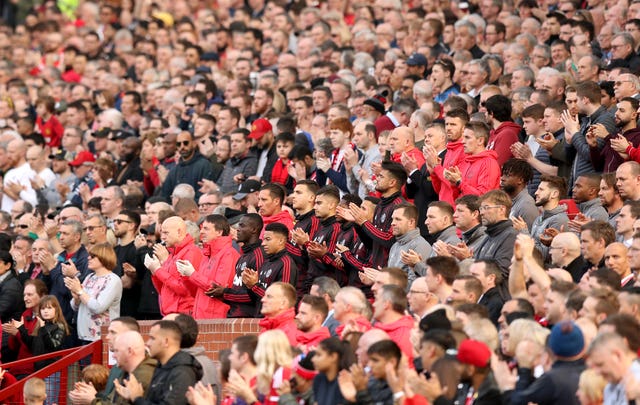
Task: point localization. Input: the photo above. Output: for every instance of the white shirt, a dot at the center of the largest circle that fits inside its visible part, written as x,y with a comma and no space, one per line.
21,175
47,175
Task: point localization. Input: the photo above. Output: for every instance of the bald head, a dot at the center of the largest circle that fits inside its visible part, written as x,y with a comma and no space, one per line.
404,139
565,247
174,230
366,340
129,350
568,240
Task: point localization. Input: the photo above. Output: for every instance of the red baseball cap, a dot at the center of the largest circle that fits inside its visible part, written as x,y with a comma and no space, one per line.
82,158
260,127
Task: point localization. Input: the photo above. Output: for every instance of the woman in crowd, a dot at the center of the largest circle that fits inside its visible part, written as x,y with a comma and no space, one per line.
34,290
332,356
97,299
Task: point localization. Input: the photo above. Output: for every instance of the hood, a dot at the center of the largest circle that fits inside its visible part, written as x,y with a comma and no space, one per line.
195,351
508,126
185,359
405,322
279,217
485,154
216,245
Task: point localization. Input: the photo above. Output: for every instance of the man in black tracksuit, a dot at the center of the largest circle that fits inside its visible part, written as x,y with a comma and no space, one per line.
377,235
278,266
237,297
306,226
323,244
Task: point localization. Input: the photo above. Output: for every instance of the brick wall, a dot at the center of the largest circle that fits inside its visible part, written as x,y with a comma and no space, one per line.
215,334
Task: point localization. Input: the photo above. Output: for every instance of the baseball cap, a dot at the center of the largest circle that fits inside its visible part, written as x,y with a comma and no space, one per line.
82,158
62,155
102,133
474,352
417,59
260,127
249,186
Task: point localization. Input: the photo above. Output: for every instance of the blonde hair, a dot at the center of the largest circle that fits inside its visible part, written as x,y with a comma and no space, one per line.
592,385
522,329
484,331
272,352
34,391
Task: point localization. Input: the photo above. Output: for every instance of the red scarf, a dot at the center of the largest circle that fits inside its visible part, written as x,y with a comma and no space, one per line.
279,174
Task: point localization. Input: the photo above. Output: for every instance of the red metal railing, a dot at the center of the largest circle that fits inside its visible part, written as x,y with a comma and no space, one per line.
67,365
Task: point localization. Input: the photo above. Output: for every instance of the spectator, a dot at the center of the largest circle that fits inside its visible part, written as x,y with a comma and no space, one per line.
177,369
97,298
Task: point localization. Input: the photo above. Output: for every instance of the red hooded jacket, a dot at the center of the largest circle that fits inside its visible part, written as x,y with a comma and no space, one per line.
175,294
284,321
454,157
219,268
502,138
400,332
480,173
311,339
361,323
284,217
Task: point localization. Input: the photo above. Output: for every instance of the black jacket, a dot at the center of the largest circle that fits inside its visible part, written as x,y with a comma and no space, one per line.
49,338
237,296
11,301
488,394
492,299
171,381
576,268
557,386
189,172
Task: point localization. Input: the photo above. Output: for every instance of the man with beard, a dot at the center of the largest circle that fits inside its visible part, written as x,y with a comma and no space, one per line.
478,386
130,169
550,191
454,123
609,157
353,254
252,257
311,314
125,228
498,245
191,169
377,234
609,197
516,174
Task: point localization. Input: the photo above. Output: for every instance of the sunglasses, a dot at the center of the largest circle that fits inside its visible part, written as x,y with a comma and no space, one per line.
120,221
91,228
183,143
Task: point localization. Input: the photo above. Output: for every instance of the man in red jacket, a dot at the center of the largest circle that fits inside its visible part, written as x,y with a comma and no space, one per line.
401,141
479,172
389,312
278,309
270,200
504,131
176,295
311,314
454,123
218,268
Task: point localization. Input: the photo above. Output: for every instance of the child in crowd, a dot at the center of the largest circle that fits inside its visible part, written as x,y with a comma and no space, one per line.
47,337
284,146
97,375
34,391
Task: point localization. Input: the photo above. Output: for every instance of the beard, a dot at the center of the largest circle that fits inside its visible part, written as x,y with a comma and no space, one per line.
509,188
621,123
542,201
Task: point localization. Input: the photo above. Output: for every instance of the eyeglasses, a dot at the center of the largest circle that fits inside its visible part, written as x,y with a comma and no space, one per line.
91,228
22,226
207,204
183,143
120,221
486,207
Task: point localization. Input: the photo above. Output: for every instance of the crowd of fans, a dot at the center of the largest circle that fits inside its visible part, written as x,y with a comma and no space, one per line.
423,202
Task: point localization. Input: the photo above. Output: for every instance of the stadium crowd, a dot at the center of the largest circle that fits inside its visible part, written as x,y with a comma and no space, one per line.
432,201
